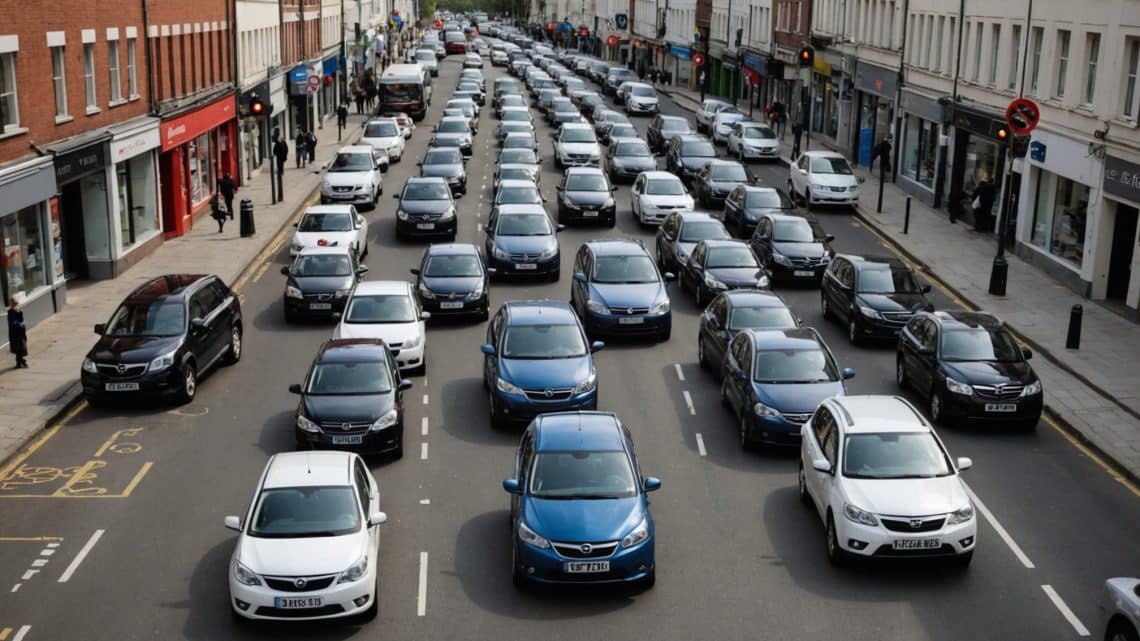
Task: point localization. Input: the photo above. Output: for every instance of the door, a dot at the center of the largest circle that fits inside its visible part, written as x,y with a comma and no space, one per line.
927,358
206,335
761,242
1123,246
736,367
72,234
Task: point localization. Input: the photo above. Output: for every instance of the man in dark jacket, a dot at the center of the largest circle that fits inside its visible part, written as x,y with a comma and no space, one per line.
882,151
300,143
797,134
311,146
17,333
281,153
227,187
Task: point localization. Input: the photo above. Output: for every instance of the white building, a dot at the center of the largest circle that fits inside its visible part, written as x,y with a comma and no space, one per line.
729,21
612,18
259,70
332,41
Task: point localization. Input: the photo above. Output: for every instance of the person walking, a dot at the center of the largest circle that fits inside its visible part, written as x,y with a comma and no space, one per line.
281,153
302,153
882,151
797,133
227,187
984,194
342,115
311,146
17,332
216,212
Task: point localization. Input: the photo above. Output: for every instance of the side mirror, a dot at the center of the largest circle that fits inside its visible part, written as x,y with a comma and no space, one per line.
404,385
1026,353
560,188
100,328
487,349
613,188
491,271
580,277
377,518
829,238
361,269
336,316
925,289
295,388
198,323
651,484
739,375
597,346
559,227
396,196
425,315
415,270
419,164
965,463
669,276
848,373
233,523
295,224
821,465
512,486
285,270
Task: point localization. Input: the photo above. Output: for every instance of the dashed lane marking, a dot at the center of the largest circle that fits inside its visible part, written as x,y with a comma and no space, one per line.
680,374
1065,611
22,632
30,539
425,399
701,445
421,592
16,587
999,529
424,426
689,402
78,560
423,451
29,574
425,501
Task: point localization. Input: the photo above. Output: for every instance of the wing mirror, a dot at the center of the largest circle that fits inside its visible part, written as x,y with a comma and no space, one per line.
487,349
377,518
415,271
233,523
579,277
651,484
848,373
198,323
396,196
821,465
295,388
491,271
965,463
425,315
925,289
100,328
597,346
669,276
512,486
1026,353
285,270
404,385
559,227
829,238
361,269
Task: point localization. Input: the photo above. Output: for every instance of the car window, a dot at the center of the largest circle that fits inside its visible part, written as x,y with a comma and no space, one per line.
380,308
443,156
363,488
761,318
979,344
325,222
586,182
665,187
698,149
432,190
699,254
795,230
352,161
624,269
352,378
697,231
543,342
733,256
929,335
674,125
578,135
728,173
518,157
385,129
582,475
304,512
518,195
523,225
453,266
758,132
909,455
886,280
197,311
316,265
831,441
158,317
207,298
794,366
453,127
830,166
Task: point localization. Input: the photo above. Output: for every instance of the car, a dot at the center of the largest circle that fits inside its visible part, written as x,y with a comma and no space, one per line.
605,119
455,42
327,506
563,111
354,177
406,123
732,312
746,204
575,145
330,226
570,85
521,157
498,57
589,103
720,265
520,114
579,506
511,100
789,248
628,158
515,172
472,61
712,184
749,140
687,154
823,178
352,398
874,296
521,241
1119,609
504,86
162,338
663,128
772,381
883,483
453,132
656,194
522,192
641,99
520,140
385,136
453,280
598,71
585,195
708,111
614,77
447,163
426,57
318,282
623,89
513,128
722,124
390,311
679,235
537,360
426,209
620,130
470,89
618,290
969,367
470,109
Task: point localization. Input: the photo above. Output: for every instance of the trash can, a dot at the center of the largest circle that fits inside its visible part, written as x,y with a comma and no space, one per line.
247,227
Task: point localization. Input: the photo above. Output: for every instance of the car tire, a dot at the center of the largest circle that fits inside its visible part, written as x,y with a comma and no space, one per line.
805,497
496,422
699,294
836,555
724,393
189,378
900,372
517,578
936,408
1121,631
288,317
234,353
663,337
555,275
962,561
824,307
746,443
852,329
702,358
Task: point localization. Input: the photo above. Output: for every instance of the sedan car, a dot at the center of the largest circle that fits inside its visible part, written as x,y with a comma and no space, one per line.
388,310
520,241
579,506
331,226
734,311
354,177
788,247
576,145
520,140
617,290
873,296
453,132
563,111
446,163
426,209
655,195
513,171
716,179
628,158
720,265
516,114
681,232
308,546
472,61
318,282
749,140
662,129
823,178
641,99
585,195
385,136
687,154
452,279
745,204
520,157
708,111
722,124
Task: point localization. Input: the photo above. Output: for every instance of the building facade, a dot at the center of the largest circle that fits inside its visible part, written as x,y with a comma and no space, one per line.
259,73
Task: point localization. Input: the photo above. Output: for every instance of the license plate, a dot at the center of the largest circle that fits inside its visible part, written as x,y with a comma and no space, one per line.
630,320
587,567
318,306
348,440
917,544
286,603
526,266
121,387
590,214
451,305
803,273
425,225
1001,407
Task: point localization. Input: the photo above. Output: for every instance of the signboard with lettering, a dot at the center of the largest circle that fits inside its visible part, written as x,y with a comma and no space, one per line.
621,21
81,162
134,145
876,80
180,130
1122,178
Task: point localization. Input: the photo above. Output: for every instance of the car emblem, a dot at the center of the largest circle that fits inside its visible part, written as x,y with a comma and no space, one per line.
915,523
586,548
346,426
548,393
527,257
451,295
120,368
300,582
629,310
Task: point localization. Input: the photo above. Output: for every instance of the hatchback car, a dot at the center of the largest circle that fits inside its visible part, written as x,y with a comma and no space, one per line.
722,124
163,336
618,290
576,145
537,360
823,178
628,158
385,137
472,61
426,209
331,226
390,311
788,246
353,177
453,132
579,506
641,99
874,296
585,195
662,129
687,154
745,204
520,241
446,163
318,282
749,140
716,179
720,265
734,311
620,130
657,194
453,280
680,233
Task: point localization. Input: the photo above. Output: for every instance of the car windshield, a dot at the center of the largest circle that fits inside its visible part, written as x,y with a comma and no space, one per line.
794,366
586,182
886,280
325,222
665,187
453,127
728,173
759,132
443,157
906,455
469,85
563,104
760,318
695,232
515,173
644,92
355,161
514,127
381,130
979,344
578,135
624,269
317,265
524,225
730,257
830,166
543,342
453,266
425,56
675,124
304,512
519,141
575,84
338,378
792,231
380,308
512,100
468,108
518,157
582,475
426,191
623,130
698,149
767,198
159,317
516,115
521,195
633,149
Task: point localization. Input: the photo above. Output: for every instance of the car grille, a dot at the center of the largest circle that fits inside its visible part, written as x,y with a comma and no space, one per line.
424,217
344,427
801,261
578,157
999,392
839,190
585,550
128,371
523,258
549,394
898,317
799,419
289,583
888,550
343,190
298,613
629,311
925,525
318,297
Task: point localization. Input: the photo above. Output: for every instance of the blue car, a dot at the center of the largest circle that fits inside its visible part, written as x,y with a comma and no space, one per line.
618,290
579,510
521,242
772,381
536,360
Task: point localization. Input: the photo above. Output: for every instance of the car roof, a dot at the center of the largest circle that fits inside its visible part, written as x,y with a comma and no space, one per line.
754,298
871,413
168,286
797,338
328,209
451,249
461,119
786,217
423,179
309,469
593,171
659,175
715,101
520,134
718,162
539,312
621,139
375,287
576,431
333,249
823,154
691,138
358,149
576,125
858,262
695,216
724,242
960,319
514,182
616,247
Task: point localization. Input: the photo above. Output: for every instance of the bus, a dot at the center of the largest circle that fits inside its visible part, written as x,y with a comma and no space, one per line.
405,87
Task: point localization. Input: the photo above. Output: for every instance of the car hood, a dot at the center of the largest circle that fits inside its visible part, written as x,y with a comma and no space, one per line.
455,138
382,143
441,171
581,148
760,142
356,408
322,284
990,372
302,557
694,163
834,180
588,197
391,333
532,169
628,295
893,302
543,373
347,178
723,185
798,250
583,521
445,285
738,277
132,349
645,163
907,497
313,238
684,200
684,248
796,398
425,206
643,100
533,245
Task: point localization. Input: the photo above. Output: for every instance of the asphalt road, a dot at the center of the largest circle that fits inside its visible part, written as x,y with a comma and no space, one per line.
112,528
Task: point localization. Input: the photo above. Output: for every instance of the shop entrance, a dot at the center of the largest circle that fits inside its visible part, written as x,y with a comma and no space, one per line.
1120,261
72,234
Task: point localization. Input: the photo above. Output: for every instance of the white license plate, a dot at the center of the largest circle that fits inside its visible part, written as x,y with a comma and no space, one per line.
590,214
1001,407
317,306
917,544
805,273
287,602
526,266
451,305
348,440
587,567
630,320
121,387
425,225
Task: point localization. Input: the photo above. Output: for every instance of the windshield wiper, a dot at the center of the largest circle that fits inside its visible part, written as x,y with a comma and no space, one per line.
583,497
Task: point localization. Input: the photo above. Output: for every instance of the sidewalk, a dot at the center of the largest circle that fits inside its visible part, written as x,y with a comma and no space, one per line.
32,398
1093,391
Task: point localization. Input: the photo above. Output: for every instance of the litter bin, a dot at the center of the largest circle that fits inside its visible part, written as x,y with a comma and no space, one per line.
247,227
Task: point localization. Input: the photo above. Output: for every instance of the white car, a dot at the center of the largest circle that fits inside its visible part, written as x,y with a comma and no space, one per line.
753,140
576,145
385,136
823,178
883,483
498,58
472,61
331,225
709,109
308,546
656,194
407,125
427,59
354,176
640,98
390,311
722,124
1119,608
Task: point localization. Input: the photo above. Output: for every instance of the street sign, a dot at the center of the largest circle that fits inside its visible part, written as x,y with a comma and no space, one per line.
1022,116
698,59
612,41
314,84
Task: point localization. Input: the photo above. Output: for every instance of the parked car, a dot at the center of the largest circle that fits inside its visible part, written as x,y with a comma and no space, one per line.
749,140
618,290
681,232
789,248
874,296
353,177
452,279
734,311
662,129
823,178
585,195
722,124
426,209
721,265
318,282
746,204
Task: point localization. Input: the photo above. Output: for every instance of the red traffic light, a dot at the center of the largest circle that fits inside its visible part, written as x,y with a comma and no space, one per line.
329,80
256,107
698,59
1003,134
550,26
612,41
807,56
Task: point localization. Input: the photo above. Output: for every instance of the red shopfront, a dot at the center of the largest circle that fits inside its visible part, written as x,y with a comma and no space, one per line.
197,149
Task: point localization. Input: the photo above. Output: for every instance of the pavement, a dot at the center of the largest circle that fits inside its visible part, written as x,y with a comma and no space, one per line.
1093,391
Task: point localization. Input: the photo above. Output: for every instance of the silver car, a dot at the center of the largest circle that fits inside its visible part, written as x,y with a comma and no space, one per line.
1120,609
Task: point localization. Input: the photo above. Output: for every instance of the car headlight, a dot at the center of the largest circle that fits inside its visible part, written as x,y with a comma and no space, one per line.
500,253
782,260
530,537
161,362
549,251
638,535
387,420
961,516
590,383
341,293
477,292
305,425
713,282
609,203
764,411
764,282
296,247
820,188
449,214
1030,389
89,366
858,515
401,214
355,571
293,292
244,575
364,187
870,313
425,292
507,387
414,341
597,307
958,387
660,307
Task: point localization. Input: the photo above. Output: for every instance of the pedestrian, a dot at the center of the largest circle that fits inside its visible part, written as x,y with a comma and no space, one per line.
778,116
342,115
701,81
227,187
797,133
281,153
218,213
17,332
984,194
359,95
302,153
882,151
311,146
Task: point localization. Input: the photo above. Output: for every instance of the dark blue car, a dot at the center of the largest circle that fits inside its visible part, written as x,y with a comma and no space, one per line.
536,360
579,510
521,242
772,381
618,290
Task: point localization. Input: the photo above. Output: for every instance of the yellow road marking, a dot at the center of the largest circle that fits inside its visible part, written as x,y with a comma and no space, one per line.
1093,456
29,539
40,440
120,448
4,633
137,479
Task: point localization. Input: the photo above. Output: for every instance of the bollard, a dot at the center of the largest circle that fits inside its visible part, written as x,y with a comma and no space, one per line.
906,217
882,179
1073,340
247,226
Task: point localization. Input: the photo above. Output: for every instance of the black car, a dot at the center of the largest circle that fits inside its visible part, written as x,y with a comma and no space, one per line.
446,163
162,338
562,110
626,158
662,129
720,265
745,205
586,196
588,102
520,241
686,154
788,246
352,398
716,179
680,233
620,130
426,209
453,280
319,282
969,367
453,132
734,311
875,296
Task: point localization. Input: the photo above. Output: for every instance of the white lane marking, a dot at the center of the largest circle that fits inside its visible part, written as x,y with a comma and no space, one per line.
423,451
16,587
425,501
29,574
22,632
701,445
479,226
39,563
53,545
47,552
1065,611
425,399
83,552
998,528
680,374
689,402
421,594
424,426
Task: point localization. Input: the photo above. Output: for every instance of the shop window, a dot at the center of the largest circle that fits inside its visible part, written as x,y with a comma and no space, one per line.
138,217
1060,211
23,260
199,158
920,150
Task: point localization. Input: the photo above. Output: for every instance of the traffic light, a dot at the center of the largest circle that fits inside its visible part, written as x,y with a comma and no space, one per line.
807,56
1003,134
256,106
1020,146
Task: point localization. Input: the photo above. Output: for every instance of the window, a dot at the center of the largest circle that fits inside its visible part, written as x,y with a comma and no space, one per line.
113,71
1092,55
1014,51
920,150
132,69
22,251
1062,61
1132,61
1060,211
135,189
59,82
89,74
9,106
977,66
1038,38
936,64
995,40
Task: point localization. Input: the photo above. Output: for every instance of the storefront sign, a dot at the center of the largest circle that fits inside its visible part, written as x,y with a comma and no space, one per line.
1122,178
820,66
76,164
26,183
978,123
921,106
329,66
755,62
679,52
134,145
879,81
621,21
180,130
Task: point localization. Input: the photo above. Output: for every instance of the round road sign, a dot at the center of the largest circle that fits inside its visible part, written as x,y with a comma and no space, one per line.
612,41
1022,116
314,84
698,59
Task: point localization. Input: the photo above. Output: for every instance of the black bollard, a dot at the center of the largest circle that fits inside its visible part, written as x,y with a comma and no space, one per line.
906,217
999,273
1073,340
247,226
882,179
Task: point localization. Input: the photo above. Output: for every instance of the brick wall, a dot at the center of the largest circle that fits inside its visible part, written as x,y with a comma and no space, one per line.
791,22
191,46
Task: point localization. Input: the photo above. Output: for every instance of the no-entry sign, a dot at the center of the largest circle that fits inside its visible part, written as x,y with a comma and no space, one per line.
1022,116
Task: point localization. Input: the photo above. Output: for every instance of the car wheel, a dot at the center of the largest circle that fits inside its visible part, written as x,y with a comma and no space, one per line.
825,307
724,393
852,330
900,372
835,554
698,291
234,354
807,199
745,441
936,409
805,498
702,359
1121,631
495,421
517,577
189,383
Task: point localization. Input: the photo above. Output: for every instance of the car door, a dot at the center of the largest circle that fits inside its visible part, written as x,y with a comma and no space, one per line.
761,242
635,193
523,458
489,233
360,224
369,495
205,333
910,343
693,271
490,361
716,328
797,171
665,236
732,206
848,279
818,483
928,357
731,368
833,285
577,287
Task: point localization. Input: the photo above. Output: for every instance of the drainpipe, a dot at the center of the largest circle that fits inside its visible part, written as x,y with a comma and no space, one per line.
152,91
898,97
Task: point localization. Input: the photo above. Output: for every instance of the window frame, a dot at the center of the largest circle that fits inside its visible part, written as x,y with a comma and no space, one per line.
1063,53
1128,107
1092,64
91,90
8,71
132,69
114,72
59,81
